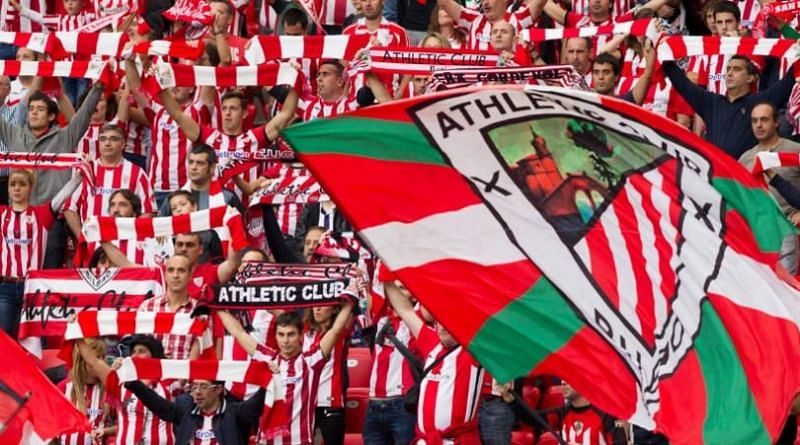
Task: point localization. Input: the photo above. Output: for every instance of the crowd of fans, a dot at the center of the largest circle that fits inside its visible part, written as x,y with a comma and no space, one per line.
157,156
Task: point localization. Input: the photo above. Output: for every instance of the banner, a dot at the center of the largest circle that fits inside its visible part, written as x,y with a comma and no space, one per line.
194,12
290,189
638,28
423,61
678,47
268,74
47,161
51,296
262,49
559,75
646,254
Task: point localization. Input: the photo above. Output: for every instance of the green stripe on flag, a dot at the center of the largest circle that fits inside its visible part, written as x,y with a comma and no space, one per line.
759,210
541,305
732,415
399,141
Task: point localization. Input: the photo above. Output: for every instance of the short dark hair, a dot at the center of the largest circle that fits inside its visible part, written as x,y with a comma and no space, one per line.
185,193
334,63
293,16
235,94
199,149
751,67
194,234
290,318
727,6
608,59
587,40
52,107
775,115
148,341
249,249
131,197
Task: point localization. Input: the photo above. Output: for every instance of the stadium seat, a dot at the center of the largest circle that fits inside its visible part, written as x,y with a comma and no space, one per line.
353,439
522,438
355,410
553,397
547,439
359,367
532,396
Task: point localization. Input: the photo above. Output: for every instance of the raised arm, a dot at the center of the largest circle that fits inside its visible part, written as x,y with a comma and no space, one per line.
162,408
402,306
452,8
227,269
555,12
779,93
189,127
98,366
232,325
282,119
378,88
328,341
642,85
80,122
66,192
115,256
695,96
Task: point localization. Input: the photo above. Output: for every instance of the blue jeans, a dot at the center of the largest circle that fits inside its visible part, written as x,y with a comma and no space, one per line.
495,422
11,307
387,422
160,198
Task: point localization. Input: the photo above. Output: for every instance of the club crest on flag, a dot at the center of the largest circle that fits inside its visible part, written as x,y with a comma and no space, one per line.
609,181
96,278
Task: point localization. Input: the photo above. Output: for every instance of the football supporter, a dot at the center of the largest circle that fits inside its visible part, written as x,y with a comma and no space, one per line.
85,389
207,417
606,72
112,172
441,23
577,51
727,116
23,237
177,274
110,111
450,388
580,421
135,423
300,371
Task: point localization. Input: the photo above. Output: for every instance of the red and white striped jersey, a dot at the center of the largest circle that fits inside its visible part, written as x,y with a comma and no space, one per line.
480,28
66,22
390,376
95,399
24,237
388,34
90,142
251,141
288,214
711,72
331,379
748,10
333,12
205,434
618,7
169,147
138,425
314,107
264,325
268,17
574,20
176,347
450,392
663,99
239,16
237,46
12,21
300,379
94,202
139,139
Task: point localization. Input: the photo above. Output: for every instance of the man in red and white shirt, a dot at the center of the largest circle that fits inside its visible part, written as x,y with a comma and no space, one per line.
177,274
232,137
331,99
13,21
299,371
112,172
494,11
450,391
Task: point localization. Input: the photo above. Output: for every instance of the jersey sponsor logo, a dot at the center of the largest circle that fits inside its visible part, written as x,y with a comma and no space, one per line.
204,434
18,241
292,380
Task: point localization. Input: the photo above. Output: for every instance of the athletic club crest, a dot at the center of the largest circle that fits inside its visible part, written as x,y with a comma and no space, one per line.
98,279
597,202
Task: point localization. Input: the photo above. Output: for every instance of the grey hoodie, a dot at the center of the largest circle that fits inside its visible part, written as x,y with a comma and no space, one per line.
57,140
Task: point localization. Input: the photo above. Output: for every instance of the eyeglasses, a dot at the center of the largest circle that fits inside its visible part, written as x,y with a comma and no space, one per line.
202,386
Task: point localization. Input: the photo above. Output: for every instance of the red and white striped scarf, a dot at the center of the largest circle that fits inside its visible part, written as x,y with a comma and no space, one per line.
47,161
177,75
290,189
678,47
766,160
109,228
265,48
423,61
100,23
113,44
91,324
94,69
786,11
641,27
35,41
195,12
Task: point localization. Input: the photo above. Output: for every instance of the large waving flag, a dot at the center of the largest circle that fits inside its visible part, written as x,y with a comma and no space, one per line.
562,232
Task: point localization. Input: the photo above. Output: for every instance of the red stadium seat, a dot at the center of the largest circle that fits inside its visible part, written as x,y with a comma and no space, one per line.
532,396
553,397
353,439
355,410
547,439
359,367
522,438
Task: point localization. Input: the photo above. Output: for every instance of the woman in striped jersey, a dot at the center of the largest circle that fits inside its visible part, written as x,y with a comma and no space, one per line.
84,388
23,237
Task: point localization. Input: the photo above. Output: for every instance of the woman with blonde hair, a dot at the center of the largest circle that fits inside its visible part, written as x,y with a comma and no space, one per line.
443,24
84,388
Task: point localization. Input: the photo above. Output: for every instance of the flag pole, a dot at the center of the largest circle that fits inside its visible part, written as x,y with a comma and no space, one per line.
537,417
21,401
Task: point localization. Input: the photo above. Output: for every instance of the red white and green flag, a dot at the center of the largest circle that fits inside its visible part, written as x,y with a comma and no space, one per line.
557,231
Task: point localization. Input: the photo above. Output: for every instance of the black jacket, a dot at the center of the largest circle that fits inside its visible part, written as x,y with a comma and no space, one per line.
727,123
231,423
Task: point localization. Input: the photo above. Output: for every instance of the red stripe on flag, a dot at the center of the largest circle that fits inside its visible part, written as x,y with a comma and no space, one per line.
257,373
108,228
181,224
364,174
89,326
144,228
601,260
739,236
683,396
